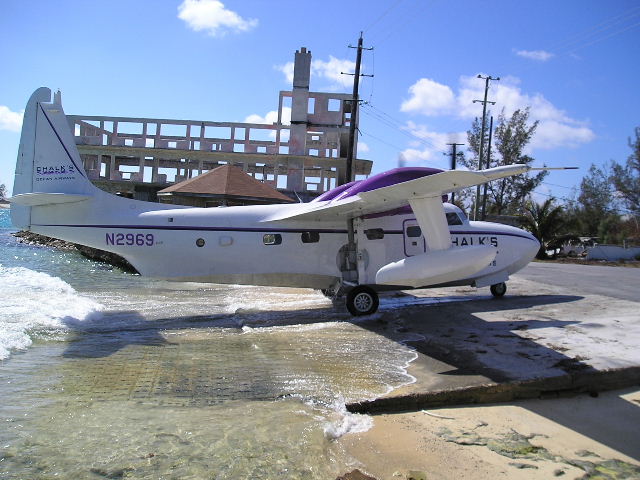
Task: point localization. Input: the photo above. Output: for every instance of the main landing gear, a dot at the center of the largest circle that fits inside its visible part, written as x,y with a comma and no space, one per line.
362,300
499,289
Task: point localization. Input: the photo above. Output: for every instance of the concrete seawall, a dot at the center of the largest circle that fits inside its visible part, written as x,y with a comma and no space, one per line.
591,382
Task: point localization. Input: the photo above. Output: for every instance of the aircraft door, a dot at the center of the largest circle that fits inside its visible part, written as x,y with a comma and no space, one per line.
414,242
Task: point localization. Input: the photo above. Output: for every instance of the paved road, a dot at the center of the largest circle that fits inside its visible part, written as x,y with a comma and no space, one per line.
617,282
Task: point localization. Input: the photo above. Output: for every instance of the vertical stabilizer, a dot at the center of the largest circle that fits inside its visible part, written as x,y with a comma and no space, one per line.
48,160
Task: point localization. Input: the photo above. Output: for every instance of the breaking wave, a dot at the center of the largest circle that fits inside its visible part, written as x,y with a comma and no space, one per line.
35,304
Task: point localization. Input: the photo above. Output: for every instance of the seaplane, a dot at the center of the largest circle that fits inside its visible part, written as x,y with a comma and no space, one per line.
393,230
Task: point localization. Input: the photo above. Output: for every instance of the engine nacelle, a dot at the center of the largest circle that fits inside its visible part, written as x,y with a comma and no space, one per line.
436,267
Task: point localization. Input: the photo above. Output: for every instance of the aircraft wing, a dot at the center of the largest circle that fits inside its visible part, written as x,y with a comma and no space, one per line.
399,194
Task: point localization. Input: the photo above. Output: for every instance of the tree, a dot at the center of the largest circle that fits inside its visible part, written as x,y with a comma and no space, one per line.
511,136
544,221
595,202
626,179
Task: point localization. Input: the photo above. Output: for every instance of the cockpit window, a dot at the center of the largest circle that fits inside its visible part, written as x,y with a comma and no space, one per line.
453,219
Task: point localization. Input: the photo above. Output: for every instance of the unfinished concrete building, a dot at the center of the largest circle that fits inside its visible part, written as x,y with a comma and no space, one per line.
139,156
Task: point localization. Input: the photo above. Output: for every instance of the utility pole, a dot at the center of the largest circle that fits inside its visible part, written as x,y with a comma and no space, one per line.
453,161
484,189
353,120
484,102
350,264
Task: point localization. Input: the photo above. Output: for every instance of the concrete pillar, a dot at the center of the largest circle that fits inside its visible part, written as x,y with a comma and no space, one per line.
110,167
299,118
154,169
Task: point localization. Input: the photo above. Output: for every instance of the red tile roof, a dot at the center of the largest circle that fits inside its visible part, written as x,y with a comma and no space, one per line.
229,181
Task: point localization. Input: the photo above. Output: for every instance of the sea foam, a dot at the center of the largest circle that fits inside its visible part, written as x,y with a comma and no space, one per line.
37,304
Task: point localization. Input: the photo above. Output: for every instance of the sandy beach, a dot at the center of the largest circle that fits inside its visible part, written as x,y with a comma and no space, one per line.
580,437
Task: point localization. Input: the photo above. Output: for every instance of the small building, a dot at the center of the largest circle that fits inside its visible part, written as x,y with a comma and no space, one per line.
223,186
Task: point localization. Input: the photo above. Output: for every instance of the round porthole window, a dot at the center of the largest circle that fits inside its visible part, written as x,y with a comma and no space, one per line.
200,242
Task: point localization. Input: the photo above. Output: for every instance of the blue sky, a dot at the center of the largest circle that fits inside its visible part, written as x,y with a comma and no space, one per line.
574,62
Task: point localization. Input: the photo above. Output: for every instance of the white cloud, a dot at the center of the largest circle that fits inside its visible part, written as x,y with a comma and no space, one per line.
331,70
539,55
363,147
438,141
325,70
429,98
552,134
287,69
556,128
212,17
11,121
271,117
429,152
413,155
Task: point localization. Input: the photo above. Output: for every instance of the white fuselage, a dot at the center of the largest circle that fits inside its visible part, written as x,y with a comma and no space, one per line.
239,245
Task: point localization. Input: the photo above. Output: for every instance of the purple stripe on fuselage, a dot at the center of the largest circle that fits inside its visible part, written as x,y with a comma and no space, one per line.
266,230
203,229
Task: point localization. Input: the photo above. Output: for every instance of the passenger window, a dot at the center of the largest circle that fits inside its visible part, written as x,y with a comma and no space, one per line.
453,219
414,231
272,239
374,233
310,237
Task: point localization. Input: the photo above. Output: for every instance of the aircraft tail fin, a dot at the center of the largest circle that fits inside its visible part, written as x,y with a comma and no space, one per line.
48,169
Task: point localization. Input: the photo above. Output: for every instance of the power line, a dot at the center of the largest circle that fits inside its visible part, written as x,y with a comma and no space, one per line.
605,38
594,30
380,140
571,200
555,185
388,120
407,17
384,14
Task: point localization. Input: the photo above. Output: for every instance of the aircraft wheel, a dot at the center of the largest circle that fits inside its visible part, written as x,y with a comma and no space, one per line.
362,300
499,289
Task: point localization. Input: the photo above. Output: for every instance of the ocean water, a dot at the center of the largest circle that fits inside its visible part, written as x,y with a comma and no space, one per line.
105,374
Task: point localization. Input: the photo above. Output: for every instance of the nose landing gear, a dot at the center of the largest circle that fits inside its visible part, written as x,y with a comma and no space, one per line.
499,289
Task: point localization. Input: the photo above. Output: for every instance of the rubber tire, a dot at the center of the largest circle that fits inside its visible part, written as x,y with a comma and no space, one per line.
499,289
362,300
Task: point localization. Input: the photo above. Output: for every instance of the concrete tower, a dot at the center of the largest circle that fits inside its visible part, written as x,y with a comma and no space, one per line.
299,118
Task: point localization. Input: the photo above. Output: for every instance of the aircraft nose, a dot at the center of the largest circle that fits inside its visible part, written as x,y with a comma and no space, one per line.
534,244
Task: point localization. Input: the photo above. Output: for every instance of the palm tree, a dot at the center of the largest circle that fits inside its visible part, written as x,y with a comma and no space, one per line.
543,220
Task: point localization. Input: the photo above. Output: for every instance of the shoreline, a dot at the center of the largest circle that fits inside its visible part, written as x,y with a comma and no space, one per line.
95,254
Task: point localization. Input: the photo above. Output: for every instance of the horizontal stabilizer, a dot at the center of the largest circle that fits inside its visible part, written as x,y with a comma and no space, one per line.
40,199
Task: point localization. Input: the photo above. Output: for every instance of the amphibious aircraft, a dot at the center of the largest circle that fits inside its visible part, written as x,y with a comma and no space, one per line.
390,231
